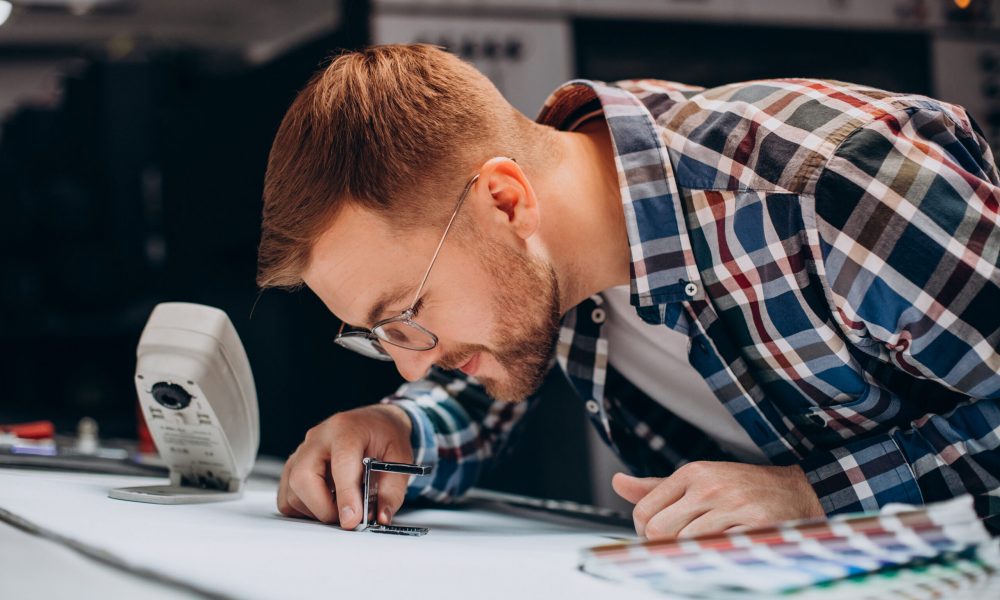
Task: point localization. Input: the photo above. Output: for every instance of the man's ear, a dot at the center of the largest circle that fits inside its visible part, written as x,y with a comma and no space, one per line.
511,199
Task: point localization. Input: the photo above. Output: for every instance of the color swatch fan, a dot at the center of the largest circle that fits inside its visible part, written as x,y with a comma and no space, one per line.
936,551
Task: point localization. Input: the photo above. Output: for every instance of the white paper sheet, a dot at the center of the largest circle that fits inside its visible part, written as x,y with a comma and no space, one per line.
247,550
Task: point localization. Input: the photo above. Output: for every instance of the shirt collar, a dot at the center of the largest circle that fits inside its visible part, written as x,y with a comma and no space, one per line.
663,270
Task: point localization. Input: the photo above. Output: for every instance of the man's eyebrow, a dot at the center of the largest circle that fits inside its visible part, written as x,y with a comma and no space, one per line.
391,297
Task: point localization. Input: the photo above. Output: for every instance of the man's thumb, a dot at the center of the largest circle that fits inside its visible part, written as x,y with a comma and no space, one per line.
633,489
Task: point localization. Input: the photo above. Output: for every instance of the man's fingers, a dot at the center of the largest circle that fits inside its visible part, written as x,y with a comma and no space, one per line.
669,491
669,522
346,469
282,501
298,508
308,481
631,488
714,521
323,477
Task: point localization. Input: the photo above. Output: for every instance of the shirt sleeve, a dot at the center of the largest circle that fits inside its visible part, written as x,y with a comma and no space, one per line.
907,215
458,429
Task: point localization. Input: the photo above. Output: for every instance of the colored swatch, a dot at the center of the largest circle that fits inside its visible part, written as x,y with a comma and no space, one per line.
936,551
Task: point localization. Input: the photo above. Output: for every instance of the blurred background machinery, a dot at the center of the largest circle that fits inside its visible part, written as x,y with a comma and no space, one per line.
946,48
134,136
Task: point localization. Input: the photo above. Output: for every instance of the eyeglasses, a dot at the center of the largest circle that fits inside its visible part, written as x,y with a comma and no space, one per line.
401,330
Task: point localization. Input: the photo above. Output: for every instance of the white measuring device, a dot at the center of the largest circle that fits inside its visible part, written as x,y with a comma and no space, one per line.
197,394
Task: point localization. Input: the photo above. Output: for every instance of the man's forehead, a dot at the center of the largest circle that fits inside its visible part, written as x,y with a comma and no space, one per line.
359,268
358,303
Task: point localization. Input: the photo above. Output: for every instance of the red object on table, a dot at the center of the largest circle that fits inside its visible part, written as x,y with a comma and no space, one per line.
146,445
35,430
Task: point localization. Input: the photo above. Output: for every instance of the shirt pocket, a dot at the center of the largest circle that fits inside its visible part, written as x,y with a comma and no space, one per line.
829,425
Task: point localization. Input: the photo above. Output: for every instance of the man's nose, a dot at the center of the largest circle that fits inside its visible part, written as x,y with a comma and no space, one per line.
412,364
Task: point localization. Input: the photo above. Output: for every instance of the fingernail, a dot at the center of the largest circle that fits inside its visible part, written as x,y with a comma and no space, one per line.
386,515
347,513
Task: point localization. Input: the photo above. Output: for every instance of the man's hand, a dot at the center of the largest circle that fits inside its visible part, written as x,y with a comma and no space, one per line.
330,459
712,497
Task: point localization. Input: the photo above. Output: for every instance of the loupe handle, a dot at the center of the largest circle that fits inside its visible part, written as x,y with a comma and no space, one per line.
392,467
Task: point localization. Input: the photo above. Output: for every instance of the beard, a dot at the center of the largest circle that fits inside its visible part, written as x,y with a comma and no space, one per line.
527,326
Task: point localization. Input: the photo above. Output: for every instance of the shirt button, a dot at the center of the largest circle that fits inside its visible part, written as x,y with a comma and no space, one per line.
592,407
817,420
690,289
598,315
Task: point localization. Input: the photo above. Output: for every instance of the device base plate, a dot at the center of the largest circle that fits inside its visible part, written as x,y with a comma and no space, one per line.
172,494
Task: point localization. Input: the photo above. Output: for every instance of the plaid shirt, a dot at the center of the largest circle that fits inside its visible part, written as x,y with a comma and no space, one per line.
831,251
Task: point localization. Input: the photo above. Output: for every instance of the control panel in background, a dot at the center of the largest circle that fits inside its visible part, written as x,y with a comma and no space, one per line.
525,58
948,49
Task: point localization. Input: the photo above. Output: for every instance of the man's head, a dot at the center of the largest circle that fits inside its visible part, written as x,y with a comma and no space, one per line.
363,175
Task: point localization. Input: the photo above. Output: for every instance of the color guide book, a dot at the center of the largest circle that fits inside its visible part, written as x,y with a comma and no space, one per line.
936,551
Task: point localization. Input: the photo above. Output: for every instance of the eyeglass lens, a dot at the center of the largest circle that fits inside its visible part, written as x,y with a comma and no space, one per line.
405,335
363,345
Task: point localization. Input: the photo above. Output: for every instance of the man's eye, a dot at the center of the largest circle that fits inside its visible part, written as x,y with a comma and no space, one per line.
395,335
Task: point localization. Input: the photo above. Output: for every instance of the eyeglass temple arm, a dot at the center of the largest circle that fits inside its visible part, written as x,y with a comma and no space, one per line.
465,193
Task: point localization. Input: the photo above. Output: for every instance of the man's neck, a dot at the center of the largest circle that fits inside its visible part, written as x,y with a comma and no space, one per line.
583,224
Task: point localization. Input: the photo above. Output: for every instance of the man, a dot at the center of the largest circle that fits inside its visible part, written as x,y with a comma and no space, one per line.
811,269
